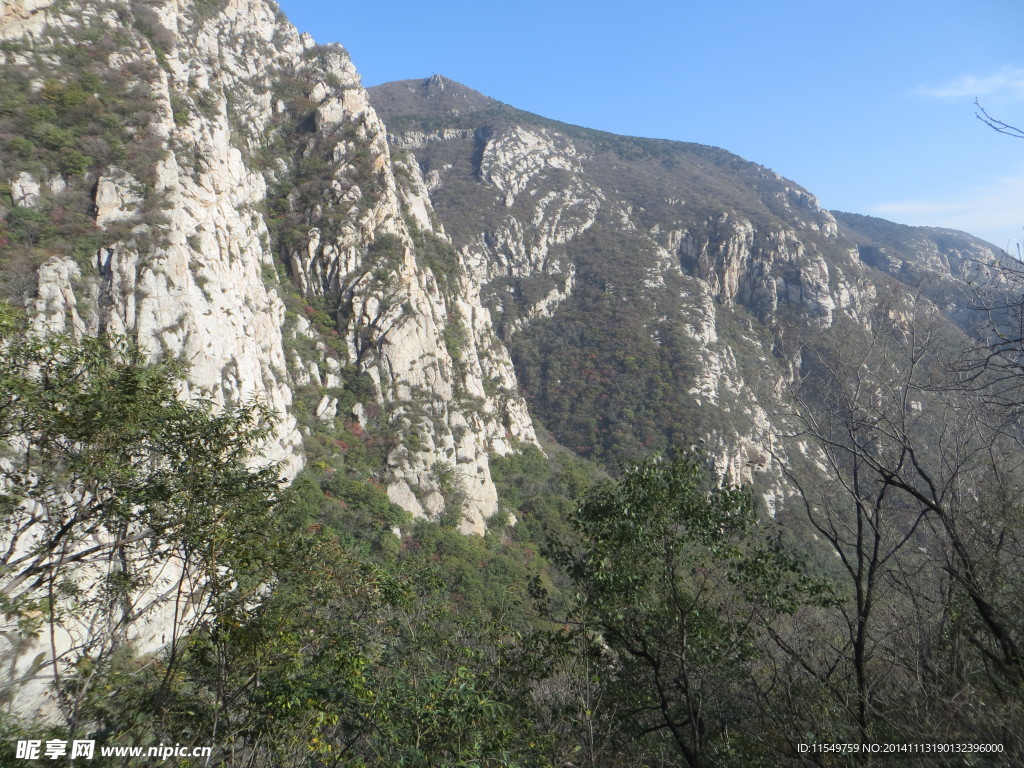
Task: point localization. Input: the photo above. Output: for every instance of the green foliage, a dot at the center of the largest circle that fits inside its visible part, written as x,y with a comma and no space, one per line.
179,110
342,662
368,498
301,643
93,112
22,147
74,163
115,467
207,9
541,490
608,381
12,729
27,225
673,579
385,251
85,118
436,254
450,484
455,338
386,245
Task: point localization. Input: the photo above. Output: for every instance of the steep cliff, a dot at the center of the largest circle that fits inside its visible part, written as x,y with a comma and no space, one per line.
199,177
236,205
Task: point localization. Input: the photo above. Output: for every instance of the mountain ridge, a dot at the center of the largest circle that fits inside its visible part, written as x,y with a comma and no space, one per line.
552,218
205,181
444,303
424,104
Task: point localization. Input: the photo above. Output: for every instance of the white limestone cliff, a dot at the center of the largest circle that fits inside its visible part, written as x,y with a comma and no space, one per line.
191,280
194,265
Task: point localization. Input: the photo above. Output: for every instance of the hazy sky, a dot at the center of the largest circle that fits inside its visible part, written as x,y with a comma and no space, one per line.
869,105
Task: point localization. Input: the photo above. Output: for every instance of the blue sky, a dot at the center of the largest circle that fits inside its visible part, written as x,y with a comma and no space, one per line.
869,105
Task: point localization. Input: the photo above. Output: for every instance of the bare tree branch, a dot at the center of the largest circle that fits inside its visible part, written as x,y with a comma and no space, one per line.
997,125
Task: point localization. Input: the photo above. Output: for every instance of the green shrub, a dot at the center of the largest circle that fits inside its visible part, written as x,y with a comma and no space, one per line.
27,225
387,248
22,147
74,163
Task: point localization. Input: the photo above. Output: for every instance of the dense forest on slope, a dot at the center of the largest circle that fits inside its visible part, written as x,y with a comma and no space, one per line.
660,621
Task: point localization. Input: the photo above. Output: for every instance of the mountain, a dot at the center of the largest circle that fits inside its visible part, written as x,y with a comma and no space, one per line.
407,277
474,327
206,181
232,202
644,287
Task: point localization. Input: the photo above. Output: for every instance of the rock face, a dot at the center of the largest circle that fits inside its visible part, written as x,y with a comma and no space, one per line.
20,18
679,270
246,116
246,215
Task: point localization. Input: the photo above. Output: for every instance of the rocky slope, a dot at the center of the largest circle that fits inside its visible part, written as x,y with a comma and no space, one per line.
254,184
645,287
203,179
200,177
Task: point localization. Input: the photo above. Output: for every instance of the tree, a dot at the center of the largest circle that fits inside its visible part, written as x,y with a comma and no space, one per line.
172,594
914,483
125,512
342,662
850,395
673,585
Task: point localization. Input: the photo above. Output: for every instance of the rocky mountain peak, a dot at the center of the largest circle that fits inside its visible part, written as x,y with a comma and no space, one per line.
249,217
435,96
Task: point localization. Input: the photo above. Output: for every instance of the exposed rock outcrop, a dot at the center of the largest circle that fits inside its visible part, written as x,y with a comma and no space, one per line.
247,186
616,241
243,108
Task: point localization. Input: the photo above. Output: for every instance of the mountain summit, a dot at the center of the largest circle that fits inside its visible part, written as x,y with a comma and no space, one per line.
436,96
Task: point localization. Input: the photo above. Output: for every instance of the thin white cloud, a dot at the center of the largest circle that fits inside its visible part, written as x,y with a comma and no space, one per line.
994,212
1008,81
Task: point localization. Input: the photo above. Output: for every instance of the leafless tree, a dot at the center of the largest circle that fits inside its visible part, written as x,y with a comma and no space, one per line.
913,473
